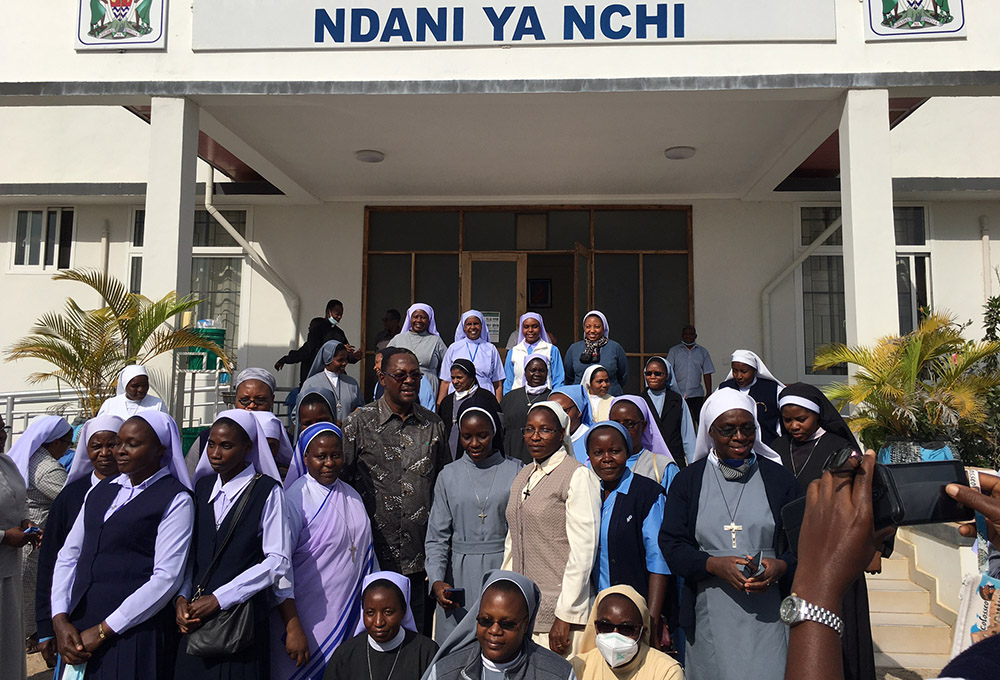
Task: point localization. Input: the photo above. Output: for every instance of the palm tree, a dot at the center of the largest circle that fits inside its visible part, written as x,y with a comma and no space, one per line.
930,384
88,348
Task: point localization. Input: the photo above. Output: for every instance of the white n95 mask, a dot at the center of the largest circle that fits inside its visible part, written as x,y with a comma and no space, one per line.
617,649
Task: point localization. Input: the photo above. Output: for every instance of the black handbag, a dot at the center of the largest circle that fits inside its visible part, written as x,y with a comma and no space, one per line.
231,630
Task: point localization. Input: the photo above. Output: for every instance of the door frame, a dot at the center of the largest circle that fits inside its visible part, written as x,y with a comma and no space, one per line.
465,276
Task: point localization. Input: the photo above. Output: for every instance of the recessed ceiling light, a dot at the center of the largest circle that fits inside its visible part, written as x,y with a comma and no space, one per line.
369,156
679,153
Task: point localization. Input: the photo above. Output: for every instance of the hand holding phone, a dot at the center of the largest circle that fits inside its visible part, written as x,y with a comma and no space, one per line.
751,568
456,595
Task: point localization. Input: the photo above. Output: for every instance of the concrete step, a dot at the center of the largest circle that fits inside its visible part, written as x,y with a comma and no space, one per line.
933,663
897,595
893,568
928,636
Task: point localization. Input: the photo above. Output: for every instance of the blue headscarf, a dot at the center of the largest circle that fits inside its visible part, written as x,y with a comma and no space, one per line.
581,399
298,467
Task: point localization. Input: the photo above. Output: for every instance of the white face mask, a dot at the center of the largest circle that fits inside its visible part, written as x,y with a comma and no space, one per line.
333,322
617,649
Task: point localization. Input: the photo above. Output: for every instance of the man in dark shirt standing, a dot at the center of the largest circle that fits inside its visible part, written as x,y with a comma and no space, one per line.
321,331
393,451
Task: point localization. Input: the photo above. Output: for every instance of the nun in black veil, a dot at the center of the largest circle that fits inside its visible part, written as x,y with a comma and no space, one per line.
811,430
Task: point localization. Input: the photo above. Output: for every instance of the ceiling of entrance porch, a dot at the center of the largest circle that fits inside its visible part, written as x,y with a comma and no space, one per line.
531,145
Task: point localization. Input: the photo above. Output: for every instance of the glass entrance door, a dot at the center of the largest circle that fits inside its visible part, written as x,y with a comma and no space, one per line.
496,285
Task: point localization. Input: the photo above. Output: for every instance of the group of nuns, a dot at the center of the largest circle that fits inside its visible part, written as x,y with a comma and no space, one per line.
578,533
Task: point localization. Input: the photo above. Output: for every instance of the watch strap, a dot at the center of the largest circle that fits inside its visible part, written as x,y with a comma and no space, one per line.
812,612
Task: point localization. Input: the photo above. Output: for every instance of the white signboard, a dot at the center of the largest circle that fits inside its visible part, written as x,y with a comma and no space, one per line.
332,24
493,326
121,25
914,19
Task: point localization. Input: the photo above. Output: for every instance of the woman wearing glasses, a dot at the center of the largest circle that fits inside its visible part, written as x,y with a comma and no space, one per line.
614,643
720,533
553,518
670,412
496,643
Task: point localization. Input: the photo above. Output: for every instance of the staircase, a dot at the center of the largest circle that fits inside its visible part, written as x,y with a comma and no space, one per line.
905,633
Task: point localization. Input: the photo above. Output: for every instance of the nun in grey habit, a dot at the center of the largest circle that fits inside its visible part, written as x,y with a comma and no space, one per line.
468,522
327,372
423,340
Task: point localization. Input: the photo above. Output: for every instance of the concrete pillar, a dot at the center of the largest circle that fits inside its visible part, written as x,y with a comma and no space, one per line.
170,194
169,227
866,200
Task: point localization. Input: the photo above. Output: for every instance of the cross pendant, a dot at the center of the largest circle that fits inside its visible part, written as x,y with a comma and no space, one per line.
482,516
732,528
353,548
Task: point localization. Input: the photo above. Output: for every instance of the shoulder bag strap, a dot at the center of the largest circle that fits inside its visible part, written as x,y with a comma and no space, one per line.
237,513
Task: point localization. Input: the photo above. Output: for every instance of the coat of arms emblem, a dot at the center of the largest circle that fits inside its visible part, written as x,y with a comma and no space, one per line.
915,14
119,19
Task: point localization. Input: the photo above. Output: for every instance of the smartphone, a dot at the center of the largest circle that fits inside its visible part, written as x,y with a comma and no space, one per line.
920,488
906,494
456,595
751,568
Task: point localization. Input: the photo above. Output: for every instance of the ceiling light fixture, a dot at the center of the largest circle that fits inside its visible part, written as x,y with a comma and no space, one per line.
679,153
369,156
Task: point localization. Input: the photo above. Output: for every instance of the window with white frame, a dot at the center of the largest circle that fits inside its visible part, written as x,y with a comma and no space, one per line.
43,239
822,278
216,269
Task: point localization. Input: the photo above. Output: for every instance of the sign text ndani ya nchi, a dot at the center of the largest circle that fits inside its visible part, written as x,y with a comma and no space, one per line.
306,24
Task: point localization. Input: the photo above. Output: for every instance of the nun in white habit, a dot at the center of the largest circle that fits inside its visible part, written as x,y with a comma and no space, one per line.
749,375
420,336
132,395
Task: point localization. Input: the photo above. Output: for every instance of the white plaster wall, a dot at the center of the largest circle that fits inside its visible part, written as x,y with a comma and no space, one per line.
46,145
948,137
956,258
738,248
50,56
319,252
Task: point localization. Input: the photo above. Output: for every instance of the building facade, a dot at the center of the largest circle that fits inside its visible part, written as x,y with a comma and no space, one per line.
782,176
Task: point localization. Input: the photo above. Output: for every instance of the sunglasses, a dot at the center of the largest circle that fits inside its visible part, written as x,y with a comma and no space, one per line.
747,430
630,424
654,374
627,629
246,401
509,625
401,377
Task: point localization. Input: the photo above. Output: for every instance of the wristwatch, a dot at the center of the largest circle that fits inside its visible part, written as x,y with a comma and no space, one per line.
795,610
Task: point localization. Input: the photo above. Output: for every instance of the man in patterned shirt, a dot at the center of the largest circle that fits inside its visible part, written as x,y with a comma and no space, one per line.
393,451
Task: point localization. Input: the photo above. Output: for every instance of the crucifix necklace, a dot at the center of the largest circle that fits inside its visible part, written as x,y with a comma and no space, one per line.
482,504
732,527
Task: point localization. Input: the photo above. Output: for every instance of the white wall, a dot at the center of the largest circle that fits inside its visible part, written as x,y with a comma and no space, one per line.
948,137
49,55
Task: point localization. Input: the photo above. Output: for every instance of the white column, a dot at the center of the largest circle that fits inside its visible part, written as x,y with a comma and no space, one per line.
866,200
170,195
169,226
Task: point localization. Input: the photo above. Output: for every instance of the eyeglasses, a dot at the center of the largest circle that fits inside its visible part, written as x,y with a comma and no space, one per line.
544,432
630,424
747,430
247,401
654,374
507,624
630,630
401,377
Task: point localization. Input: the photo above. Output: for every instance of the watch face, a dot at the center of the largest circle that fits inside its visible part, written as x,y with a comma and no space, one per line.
789,610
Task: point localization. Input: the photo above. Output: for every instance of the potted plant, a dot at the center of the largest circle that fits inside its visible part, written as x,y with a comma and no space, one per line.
88,348
927,389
